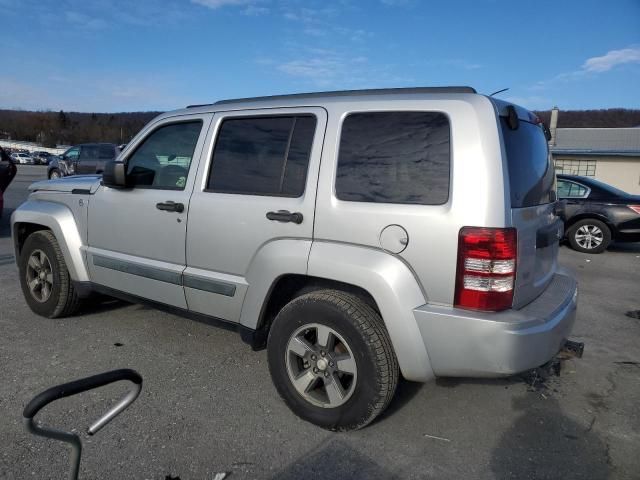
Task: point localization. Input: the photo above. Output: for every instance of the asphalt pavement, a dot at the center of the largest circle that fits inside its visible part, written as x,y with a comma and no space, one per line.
208,405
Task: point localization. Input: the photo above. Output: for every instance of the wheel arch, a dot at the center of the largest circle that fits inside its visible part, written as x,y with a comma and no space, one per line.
35,215
381,280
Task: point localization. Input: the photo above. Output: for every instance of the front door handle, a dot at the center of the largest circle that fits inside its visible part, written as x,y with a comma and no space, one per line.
170,206
285,216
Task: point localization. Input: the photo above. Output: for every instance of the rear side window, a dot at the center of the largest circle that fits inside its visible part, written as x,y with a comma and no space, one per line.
394,157
89,152
568,189
106,152
262,156
531,176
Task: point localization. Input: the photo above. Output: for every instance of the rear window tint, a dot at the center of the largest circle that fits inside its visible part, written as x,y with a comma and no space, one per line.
531,176
394,157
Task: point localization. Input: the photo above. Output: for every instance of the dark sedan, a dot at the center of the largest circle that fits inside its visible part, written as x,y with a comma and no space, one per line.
596,213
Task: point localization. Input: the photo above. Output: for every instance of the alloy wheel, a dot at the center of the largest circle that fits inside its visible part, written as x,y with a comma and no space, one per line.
589,236
39,276
321,365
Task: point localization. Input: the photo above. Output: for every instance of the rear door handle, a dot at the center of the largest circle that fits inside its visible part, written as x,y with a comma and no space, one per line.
170,206
285,216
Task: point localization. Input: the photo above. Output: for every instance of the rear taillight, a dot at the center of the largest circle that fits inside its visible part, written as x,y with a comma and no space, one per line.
486,270
635,208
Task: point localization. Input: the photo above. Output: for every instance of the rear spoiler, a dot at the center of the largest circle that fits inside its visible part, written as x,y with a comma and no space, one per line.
514,114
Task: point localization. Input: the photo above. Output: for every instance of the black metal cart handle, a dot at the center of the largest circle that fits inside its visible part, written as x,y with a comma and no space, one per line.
73,388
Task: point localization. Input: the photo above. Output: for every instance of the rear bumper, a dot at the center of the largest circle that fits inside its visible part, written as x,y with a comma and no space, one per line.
477,344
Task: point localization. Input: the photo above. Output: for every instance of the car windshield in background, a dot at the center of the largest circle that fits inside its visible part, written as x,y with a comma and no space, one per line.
530,174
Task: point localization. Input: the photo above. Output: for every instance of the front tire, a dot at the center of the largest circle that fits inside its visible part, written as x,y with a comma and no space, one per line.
589,236
55,173
331,360
44,278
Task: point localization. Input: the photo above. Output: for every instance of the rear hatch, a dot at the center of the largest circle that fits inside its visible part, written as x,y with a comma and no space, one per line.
532,184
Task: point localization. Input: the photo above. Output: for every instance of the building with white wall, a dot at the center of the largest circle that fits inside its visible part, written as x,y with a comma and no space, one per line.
611,155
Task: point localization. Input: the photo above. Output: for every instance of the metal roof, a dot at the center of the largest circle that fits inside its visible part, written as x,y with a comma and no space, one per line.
584,152
597,141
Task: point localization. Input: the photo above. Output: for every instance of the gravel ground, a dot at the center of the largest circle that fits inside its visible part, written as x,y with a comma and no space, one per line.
208,405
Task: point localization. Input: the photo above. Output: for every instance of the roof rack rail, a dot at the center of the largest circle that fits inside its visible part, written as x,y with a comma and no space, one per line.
345,93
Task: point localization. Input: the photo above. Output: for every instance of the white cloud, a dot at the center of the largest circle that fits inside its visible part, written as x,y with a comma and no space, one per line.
592,66
214,4
94,92
84,21
321,71
254,10
339,69
612,59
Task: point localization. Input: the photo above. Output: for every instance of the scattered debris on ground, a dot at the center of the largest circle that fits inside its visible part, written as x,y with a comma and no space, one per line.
537,378
436,438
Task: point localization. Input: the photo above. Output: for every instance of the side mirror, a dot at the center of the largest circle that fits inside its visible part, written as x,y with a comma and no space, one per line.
115,175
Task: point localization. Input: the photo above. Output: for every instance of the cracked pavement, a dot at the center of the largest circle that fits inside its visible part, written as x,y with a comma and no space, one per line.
208,405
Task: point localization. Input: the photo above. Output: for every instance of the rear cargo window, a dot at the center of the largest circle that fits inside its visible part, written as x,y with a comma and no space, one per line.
531,176
394,157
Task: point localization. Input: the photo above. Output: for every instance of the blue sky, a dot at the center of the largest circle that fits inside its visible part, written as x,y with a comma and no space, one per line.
124,55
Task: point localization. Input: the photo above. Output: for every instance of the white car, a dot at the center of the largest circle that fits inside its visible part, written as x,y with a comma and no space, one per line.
22,158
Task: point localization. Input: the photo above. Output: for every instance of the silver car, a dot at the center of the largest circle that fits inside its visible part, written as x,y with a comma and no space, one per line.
22,158
358,236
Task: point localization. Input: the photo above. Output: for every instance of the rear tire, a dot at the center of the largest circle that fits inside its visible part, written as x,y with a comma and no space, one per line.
55,173
344,378
44,278
589,236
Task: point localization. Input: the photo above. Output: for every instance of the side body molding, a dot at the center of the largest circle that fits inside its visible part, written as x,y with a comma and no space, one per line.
60,220
395,290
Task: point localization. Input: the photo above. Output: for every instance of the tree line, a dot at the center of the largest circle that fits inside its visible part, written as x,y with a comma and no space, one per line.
70,128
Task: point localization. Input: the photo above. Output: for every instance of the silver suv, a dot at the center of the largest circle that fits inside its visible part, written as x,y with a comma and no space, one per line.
358,236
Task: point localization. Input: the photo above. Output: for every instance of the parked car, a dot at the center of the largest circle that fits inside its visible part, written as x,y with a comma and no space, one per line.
88,158
7,173
22,158
597,214
356,235
42,158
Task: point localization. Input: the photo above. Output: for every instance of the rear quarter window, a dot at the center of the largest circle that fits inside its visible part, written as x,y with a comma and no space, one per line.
531,175
394,157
